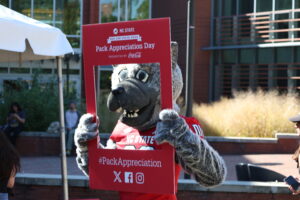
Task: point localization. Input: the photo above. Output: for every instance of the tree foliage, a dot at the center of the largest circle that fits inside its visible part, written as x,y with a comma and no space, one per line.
39,100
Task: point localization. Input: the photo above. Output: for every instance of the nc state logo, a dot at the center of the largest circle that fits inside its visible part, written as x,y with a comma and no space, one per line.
115,31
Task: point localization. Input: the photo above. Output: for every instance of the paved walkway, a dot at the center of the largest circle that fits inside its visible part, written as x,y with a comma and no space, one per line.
281,163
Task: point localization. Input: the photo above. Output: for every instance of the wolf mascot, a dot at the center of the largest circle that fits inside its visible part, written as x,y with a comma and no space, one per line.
142,125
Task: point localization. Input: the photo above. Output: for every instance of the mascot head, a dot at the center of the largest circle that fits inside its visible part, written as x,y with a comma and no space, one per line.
136,91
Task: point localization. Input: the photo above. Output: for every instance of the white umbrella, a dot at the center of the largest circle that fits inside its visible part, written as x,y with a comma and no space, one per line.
45,40
23,38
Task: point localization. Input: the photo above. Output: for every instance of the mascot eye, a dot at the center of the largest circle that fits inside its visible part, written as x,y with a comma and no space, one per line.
142,76
123,75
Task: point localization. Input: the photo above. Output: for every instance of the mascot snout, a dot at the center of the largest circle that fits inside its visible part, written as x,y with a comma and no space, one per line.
134,100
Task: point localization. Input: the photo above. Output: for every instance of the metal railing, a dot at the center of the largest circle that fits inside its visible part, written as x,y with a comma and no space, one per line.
258,28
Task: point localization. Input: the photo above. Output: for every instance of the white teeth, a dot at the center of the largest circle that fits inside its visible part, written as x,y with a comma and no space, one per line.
137,110
131,114
119,110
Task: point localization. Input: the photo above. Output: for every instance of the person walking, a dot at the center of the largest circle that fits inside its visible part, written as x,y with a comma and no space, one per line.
72,118
9,166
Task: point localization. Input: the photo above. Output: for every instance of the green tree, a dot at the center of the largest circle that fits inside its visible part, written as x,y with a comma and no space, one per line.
39,101
143,10
71,18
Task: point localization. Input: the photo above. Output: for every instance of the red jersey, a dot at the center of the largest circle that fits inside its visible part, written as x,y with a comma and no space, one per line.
127,137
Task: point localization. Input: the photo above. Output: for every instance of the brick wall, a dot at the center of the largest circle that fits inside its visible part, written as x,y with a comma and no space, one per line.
38,146
31,192
50,146
202,58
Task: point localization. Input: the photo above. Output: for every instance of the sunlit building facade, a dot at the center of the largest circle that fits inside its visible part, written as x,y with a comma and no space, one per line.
63,14
238,45
68,15
254,44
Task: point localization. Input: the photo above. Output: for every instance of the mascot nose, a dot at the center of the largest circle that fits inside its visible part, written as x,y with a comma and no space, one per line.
118,91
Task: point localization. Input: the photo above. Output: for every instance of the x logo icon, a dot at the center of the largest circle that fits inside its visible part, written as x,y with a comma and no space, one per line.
117,177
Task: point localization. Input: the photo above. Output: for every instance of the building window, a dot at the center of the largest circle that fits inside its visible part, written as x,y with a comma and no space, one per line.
255,45
265,55
229,56
63,14
284,55
120,10
4,3
245,6
263,5
138,9
256,23
229,7
24,7
43,11
247,56
69,20
297,55
252,68
283,4
109,10
124,10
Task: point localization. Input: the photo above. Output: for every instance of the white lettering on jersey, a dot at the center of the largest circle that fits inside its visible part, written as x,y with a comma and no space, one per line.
198,130
139,139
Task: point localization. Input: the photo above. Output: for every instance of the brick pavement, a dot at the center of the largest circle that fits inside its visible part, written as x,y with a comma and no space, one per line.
281,163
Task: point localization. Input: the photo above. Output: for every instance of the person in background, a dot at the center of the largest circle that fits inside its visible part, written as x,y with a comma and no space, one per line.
15,122
72,118
296,121
9,166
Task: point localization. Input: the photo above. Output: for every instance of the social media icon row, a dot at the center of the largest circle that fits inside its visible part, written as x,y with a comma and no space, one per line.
129,177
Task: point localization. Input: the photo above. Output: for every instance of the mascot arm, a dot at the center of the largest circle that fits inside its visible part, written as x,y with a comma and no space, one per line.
194,154
86,130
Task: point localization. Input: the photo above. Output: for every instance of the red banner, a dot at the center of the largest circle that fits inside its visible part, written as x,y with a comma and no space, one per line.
145,41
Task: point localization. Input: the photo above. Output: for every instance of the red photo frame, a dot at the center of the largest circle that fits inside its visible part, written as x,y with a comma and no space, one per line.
144,41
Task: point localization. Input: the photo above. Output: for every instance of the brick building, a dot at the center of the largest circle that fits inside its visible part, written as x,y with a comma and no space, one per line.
239,44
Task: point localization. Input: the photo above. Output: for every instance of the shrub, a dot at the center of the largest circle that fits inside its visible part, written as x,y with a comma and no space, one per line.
39,101
41,104
249,114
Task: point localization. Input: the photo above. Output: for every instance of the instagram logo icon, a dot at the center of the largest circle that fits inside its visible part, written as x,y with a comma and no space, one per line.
139,178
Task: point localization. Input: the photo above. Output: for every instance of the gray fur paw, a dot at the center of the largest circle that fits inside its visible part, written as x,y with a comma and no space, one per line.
83,155
170,128
82,166
86,130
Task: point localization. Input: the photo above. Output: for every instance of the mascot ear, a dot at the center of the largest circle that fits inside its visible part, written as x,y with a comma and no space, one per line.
174,53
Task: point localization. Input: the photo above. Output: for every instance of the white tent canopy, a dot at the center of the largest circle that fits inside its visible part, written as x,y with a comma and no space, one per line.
44,40
22,39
